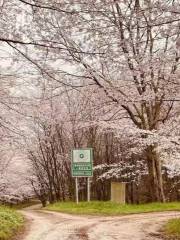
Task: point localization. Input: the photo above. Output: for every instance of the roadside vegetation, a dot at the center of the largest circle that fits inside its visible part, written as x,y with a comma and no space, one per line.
10,222
172,229
26,204
109,208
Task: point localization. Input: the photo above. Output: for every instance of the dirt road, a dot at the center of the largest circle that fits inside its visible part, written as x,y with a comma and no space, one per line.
57,226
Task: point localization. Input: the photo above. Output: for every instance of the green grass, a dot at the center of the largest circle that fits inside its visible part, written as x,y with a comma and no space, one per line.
172,229
25,204
10,222
109,208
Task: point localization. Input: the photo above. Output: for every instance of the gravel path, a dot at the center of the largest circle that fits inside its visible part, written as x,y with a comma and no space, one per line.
59,226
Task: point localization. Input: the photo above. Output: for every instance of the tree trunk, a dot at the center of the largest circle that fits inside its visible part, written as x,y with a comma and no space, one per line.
155,175
44,202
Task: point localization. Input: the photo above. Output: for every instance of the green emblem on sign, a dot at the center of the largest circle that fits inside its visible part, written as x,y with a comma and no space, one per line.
82,162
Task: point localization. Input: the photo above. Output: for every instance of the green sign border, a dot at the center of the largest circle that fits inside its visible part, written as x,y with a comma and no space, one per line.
81,163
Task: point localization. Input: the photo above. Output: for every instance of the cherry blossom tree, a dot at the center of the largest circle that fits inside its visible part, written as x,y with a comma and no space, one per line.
128,50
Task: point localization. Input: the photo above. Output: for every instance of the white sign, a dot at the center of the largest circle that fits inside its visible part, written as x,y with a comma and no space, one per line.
81,156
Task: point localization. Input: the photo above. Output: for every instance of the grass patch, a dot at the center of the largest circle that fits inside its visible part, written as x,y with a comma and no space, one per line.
10,222
109,208
172,229
25,204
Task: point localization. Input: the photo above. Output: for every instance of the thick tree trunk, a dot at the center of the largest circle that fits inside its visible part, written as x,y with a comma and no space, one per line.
155,175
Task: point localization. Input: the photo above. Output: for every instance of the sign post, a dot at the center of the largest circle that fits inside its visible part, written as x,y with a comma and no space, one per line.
77,194
82,166
88,189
